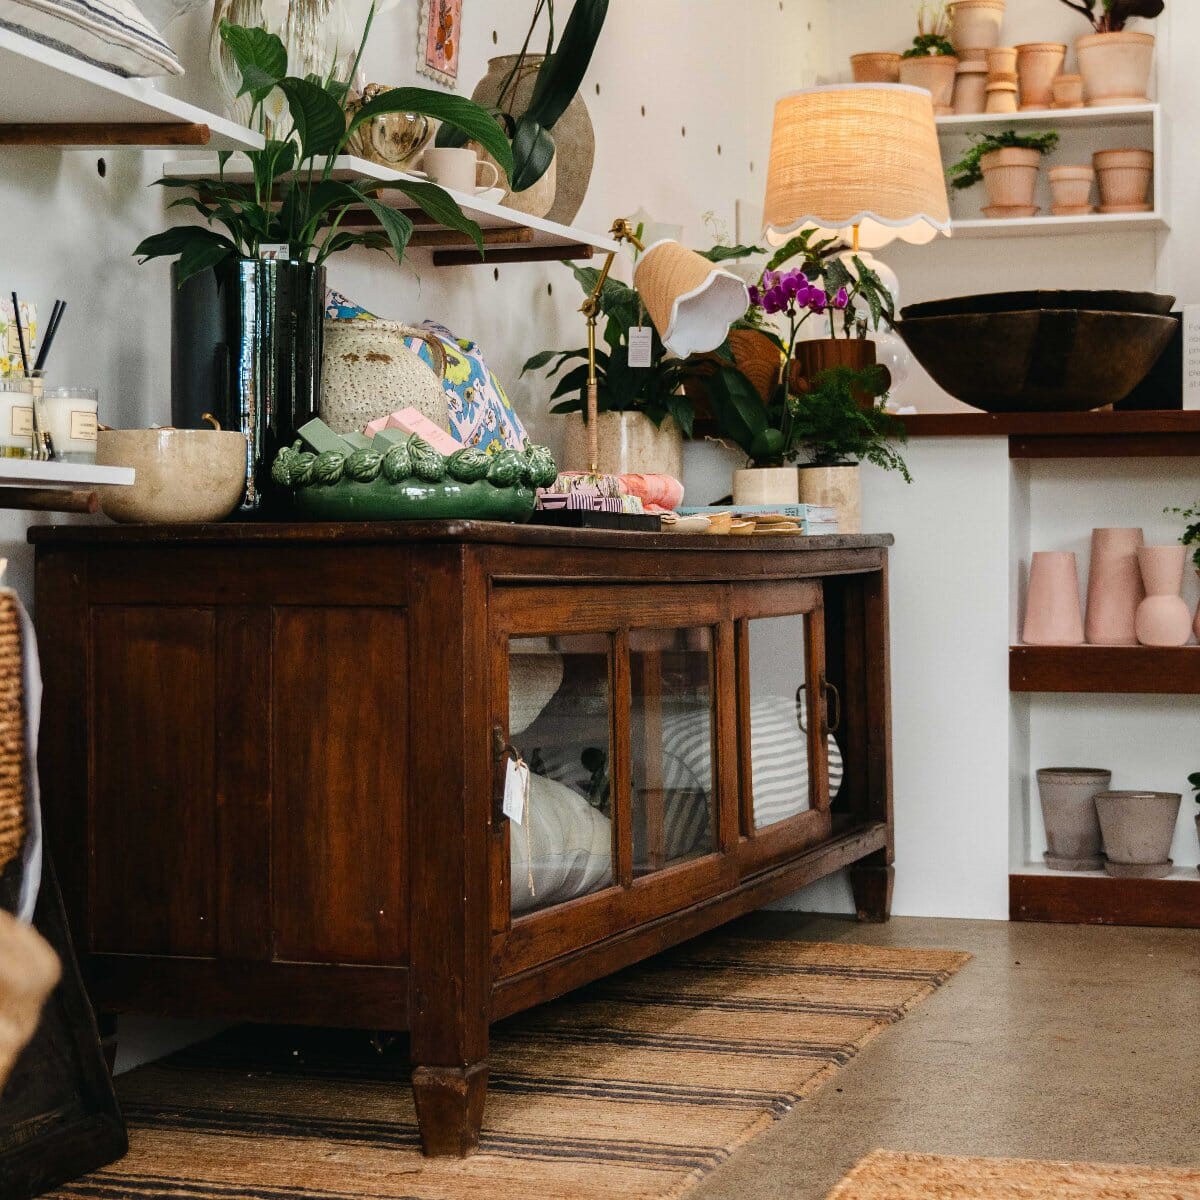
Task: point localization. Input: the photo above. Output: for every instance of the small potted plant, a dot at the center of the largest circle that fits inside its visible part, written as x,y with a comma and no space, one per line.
930,62
1007,163
1115,62
1190,537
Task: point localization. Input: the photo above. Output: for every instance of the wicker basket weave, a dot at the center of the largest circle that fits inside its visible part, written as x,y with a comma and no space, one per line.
12,732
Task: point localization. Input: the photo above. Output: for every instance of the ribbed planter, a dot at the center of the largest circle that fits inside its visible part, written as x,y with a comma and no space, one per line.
935,73
876,66
1071,188
1010,176
1115,67
1137,829
1069,814
1125,177
976,24
1038,65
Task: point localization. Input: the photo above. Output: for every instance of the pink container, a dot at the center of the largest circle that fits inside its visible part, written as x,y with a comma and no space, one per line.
1052,613
1114,587
1163,619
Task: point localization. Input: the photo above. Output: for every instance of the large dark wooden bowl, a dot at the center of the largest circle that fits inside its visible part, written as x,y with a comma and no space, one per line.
1007,302
1045,361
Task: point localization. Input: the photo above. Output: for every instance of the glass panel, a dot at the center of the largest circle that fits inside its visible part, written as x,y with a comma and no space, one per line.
559,720
779,715
671,744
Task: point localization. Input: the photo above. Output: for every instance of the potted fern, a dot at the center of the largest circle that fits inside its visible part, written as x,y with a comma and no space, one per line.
1115,62
1007,163
930,62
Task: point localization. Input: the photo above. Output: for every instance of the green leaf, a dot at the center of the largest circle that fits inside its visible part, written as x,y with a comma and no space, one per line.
396,226
260,56
562,72
470,118
532,152
320,121
443,208
724,253
574,380
200,256
178,240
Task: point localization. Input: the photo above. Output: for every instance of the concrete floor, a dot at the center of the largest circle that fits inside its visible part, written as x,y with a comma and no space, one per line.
1056,1041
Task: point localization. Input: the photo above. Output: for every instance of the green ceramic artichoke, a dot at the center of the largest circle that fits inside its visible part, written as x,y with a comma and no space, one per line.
281,473
363,466
300,468
328,467
397,463
427,463
467,465
540,466
506,469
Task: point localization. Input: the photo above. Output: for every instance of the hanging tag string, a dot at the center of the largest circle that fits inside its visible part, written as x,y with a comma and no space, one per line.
526,802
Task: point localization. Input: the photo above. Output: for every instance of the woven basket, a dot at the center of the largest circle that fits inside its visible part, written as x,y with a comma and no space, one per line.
12,733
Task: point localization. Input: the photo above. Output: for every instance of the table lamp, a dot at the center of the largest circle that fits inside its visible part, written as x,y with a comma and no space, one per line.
690,301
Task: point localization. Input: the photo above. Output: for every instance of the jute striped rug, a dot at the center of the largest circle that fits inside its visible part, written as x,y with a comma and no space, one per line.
887,1176
635,1087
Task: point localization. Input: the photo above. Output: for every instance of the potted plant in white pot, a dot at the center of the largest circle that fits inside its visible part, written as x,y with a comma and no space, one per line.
1115,62
1007,164
930,62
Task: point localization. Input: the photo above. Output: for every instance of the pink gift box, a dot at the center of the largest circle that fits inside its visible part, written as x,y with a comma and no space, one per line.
408,420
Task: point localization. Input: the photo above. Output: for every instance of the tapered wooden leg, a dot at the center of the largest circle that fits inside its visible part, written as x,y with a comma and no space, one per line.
872,887
106,1025
450,1107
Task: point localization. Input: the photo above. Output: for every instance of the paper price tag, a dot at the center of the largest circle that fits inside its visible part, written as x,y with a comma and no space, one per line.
516,790
274,250
641,346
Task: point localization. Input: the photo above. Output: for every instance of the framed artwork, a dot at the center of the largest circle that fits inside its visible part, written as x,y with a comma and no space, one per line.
439,39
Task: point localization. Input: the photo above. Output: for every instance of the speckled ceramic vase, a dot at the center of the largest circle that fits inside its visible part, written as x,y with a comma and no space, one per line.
1114,588
839,488
1138,828
1163,619
1069,814
1052,615
630,444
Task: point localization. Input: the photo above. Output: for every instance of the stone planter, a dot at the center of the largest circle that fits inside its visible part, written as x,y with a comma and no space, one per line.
976,24
630,444
877,66
1069,813
1010,176
1038,65
1137,830
766,485
839,488
1125,177
935,73
1115,67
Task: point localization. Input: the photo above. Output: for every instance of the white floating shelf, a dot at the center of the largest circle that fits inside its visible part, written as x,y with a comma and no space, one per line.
1123,116
27,472
544,236
41,86
1050,226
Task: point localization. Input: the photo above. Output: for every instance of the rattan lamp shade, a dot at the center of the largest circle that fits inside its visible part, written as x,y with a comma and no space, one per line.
856,154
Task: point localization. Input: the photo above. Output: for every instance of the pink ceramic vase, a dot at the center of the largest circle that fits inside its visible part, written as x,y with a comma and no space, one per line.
1052,615
1163,619
1114,588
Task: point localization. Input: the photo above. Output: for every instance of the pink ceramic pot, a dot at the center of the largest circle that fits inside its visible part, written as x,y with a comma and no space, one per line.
1114,588
1052,615
936,74
1071,187
1039,65
1125,177
1163,619
1116,67
1010,176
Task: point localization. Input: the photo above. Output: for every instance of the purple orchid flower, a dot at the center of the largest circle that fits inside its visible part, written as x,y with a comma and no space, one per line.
841,299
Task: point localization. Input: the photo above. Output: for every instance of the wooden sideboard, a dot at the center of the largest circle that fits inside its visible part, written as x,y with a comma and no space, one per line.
273,760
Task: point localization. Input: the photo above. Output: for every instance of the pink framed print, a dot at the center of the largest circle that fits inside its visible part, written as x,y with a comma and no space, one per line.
440,35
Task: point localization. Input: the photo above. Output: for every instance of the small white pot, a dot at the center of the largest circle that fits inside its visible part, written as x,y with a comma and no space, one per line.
630,444
1116,67
840,488
766,485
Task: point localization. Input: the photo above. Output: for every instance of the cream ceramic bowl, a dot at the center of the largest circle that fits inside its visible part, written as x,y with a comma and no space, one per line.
183,475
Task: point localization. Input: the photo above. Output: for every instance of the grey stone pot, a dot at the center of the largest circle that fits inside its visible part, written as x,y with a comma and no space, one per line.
1069,813
1138,828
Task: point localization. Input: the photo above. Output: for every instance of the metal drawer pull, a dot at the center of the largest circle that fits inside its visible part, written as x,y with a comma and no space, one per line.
830,691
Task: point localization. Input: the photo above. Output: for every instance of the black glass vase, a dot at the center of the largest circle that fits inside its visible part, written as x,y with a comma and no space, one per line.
246,347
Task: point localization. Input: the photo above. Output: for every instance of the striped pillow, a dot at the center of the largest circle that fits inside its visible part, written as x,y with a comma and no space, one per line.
111,34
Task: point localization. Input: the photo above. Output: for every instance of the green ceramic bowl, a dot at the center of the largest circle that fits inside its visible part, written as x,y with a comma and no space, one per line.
412,500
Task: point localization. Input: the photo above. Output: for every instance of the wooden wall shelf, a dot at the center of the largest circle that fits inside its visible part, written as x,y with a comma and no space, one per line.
1094,899
1128,670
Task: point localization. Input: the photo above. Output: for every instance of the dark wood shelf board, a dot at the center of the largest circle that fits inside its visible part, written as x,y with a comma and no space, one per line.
80,135
1132,670
1097,900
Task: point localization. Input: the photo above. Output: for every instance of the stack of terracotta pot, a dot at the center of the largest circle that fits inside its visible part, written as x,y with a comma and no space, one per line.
1001,79
975,31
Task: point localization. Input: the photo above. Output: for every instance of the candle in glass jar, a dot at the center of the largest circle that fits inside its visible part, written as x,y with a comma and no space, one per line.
70,418
16,417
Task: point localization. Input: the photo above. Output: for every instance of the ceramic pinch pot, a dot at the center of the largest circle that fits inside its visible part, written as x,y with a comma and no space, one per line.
839,488
182,475
1137,830
1001,61
1115,588
936,74
1163,618
1069,814
876,66
1124,177
1052,611
970,88
1010,176
1038,65
1071,187
766,485
629,442
976,23
1068,91
1115,67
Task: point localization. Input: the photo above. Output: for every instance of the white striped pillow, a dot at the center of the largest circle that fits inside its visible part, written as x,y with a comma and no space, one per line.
111,34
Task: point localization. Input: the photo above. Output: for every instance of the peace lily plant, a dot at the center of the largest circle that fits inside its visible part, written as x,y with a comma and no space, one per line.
292,199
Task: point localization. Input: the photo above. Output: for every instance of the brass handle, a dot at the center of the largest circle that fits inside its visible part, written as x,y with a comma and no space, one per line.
830,692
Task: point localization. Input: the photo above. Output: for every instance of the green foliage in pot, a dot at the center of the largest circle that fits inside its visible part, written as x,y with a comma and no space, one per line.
933,33
1190,537
293,199
558,79
968,171
1111,16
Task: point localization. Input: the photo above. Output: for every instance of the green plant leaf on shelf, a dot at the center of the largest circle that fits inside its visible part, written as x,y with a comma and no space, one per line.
443,208
397,228
320,122
260,56
561,74
725,253
532,152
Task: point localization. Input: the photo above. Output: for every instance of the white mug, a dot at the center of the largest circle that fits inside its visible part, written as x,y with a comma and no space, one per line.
457,168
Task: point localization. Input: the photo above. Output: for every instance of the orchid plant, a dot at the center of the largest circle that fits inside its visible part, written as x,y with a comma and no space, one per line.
1110,16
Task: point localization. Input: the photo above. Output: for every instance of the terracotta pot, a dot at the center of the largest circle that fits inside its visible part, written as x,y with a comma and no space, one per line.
1068,91
1038,65
1052,616
1071,187
1163,619
1114,588
976,23
1137,829
970,88
839,488
820,354
1124,176
935,73
1001,60
766,485
1010,176
876,66
1115,67
1069,814
630,443
1001,98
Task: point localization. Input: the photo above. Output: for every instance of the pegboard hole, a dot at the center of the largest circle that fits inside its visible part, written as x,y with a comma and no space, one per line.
549,289
496,274
597,89
495,38
683,131
643,110
101,167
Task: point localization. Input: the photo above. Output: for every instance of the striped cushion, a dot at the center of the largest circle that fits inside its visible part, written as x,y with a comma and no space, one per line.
111,34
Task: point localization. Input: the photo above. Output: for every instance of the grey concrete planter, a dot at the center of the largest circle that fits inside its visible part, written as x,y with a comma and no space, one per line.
1069,813
1138,828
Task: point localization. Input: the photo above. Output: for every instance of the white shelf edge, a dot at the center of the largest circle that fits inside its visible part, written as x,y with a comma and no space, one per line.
1051,226
1082,118
146,104
21,472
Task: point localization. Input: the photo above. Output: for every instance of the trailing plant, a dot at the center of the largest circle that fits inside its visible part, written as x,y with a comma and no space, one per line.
558,79
933,33
292,198
1111,16
968,171
1191,534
